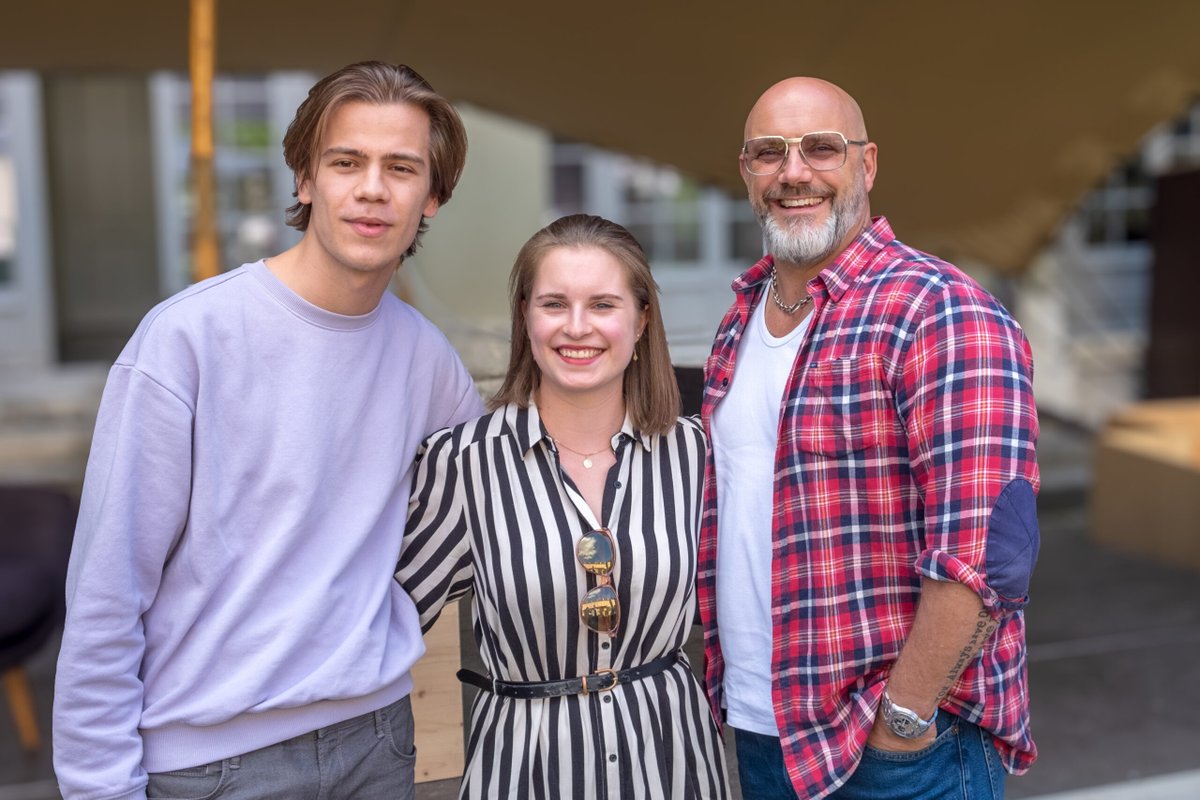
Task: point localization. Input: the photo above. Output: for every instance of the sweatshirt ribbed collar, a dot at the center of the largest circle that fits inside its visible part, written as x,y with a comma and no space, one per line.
314,315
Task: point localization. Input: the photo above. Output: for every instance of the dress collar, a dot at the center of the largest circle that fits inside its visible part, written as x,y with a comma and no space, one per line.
525,425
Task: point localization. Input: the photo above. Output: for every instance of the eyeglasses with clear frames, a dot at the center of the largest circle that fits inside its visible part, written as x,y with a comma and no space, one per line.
599,610
822,151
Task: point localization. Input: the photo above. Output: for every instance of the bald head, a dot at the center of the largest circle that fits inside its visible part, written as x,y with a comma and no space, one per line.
809,213
795,106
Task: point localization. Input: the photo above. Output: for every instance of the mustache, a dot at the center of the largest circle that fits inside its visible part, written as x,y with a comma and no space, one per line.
786,194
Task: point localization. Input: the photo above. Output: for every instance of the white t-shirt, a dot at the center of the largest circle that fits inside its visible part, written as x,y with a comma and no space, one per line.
745,430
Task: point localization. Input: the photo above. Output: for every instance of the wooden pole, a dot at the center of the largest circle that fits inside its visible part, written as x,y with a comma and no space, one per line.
205,250
20,703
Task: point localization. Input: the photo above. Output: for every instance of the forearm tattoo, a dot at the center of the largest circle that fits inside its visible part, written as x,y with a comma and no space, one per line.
985,624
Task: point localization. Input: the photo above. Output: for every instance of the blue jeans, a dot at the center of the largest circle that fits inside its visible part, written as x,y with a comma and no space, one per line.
960,764
369,757
761,771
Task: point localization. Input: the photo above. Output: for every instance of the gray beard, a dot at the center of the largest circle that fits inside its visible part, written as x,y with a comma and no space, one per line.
804,244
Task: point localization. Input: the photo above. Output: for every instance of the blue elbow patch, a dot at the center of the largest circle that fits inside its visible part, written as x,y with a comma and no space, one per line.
1013,542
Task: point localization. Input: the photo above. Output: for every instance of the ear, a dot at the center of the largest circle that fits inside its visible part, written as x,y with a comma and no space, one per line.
431,207
304,191
870,164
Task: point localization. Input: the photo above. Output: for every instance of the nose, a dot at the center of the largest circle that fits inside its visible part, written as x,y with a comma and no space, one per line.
578,323
795,169
371,186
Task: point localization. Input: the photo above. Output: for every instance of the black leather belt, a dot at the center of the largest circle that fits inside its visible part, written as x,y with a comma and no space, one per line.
603,681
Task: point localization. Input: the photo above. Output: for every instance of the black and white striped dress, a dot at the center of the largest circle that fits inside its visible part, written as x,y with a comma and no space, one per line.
493,510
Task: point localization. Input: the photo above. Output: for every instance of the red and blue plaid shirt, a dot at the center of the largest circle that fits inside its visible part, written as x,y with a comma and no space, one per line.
907,435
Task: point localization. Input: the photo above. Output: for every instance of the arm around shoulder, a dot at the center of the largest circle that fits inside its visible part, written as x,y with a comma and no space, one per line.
435,565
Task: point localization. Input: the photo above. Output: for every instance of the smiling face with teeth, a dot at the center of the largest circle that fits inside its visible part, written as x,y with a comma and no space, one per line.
583,321
810,217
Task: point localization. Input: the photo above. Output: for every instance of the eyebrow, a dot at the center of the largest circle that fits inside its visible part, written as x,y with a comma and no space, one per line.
561,296
353,151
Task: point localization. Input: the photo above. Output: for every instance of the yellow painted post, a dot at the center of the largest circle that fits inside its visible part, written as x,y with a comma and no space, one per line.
205,252
20,702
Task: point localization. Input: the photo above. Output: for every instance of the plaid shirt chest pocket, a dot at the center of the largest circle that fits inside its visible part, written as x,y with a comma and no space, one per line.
845,407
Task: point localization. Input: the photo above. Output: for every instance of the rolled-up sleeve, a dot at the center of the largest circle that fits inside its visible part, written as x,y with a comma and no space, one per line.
971,423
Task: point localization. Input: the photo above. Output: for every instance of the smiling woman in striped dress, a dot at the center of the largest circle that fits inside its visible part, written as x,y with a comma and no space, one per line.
572,511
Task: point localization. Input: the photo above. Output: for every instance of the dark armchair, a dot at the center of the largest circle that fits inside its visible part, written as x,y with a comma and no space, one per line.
36,526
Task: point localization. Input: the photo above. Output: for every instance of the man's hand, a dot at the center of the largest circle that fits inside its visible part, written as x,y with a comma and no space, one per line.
881,738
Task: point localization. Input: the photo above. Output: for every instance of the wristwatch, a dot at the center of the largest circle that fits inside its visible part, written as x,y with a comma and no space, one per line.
904,722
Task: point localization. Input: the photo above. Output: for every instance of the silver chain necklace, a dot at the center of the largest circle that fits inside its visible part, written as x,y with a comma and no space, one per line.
787,309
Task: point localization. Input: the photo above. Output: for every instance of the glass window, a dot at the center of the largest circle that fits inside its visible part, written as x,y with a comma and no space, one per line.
746,241
684,226
568,189
247,160
662,209
1133,175
1095,226
1182,127
8,198
1137,224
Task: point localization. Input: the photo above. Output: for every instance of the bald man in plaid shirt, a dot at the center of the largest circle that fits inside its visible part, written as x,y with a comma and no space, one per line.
870,524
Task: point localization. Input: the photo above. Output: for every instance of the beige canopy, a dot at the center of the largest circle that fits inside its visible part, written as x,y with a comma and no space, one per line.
992,118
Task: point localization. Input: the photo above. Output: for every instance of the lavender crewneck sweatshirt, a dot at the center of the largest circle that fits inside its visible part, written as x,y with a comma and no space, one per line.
231,585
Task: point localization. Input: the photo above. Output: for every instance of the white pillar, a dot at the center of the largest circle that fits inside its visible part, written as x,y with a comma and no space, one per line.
27,337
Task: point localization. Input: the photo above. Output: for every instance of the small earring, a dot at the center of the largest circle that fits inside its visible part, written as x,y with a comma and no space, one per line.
635,357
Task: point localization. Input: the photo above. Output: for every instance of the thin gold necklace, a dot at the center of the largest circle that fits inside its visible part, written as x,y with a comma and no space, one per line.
587,457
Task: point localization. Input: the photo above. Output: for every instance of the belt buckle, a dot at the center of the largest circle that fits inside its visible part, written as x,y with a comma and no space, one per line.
598,672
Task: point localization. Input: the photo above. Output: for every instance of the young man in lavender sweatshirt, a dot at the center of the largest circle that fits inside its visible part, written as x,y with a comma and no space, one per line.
233,628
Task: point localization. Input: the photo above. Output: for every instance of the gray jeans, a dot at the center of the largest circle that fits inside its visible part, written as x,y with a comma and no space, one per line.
370,757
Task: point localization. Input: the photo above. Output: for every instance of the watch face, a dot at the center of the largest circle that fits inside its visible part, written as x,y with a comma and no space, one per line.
902,725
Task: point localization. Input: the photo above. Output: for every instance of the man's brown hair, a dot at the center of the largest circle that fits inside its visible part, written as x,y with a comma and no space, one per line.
377,83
